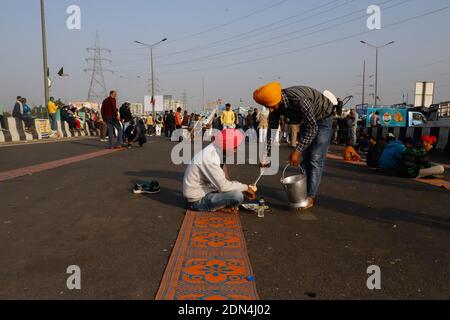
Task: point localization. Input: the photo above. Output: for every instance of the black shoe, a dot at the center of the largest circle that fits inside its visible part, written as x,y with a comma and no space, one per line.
147,188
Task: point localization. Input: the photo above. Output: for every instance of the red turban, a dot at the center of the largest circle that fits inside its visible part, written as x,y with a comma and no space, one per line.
430,140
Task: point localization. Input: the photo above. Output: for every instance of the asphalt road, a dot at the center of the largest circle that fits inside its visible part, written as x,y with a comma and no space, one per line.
84,214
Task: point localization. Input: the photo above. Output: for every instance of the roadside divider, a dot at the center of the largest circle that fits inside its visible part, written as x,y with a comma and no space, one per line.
442,133
13,130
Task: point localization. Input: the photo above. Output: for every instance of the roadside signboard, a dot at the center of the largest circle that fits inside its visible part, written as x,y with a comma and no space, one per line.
43,127
424,94
159,104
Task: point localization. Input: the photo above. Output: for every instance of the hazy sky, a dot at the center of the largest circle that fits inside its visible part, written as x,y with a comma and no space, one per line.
235,45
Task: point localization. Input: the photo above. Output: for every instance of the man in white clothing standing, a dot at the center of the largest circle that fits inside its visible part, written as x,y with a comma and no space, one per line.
206,185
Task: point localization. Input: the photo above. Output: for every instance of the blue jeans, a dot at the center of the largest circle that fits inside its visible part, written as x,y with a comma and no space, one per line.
126,125
218,201
53,121
314,157
114,124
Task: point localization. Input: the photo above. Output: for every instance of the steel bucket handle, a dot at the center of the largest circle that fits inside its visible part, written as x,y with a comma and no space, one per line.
283,177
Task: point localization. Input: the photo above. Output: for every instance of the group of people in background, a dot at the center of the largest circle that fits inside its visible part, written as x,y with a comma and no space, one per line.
345,127
254,120
77,119
121,124
408,159
112,121
22,112
129,129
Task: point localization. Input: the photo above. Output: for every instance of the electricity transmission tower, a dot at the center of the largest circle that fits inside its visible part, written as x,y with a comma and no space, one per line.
97,88
364,84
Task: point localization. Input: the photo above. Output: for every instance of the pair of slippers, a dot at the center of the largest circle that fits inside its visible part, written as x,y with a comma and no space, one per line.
147,188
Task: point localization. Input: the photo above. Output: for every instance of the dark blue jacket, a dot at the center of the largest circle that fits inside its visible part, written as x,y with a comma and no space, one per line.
392,155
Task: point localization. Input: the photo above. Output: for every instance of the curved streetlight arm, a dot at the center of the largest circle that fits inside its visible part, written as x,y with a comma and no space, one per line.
151,45
152,68
377,47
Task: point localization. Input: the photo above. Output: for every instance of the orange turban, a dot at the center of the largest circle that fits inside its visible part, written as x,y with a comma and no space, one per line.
268,95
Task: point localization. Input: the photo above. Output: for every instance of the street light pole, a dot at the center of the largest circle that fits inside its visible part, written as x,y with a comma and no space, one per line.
44,51
377,48
153,83
203,94
151,46
376,77
364,84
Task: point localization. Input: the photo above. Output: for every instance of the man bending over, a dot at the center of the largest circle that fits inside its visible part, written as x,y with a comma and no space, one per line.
206,185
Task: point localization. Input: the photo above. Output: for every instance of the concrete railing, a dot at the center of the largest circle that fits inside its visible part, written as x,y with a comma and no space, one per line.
442,133
13,130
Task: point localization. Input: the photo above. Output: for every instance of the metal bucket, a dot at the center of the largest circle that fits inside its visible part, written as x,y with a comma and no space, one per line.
296,189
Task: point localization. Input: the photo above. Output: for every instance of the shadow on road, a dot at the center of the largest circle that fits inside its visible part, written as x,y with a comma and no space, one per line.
171,198
385,214
152,174
378,178
90,143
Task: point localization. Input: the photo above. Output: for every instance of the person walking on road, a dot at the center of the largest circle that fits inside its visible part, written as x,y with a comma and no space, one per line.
255,119
216,123
316,113
125,115
150,122
240,121
178,119
52,110
110,116
263,121
228,118
103,129
250,122
166,127
294,129
354,129
159,125
185,119
170,124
